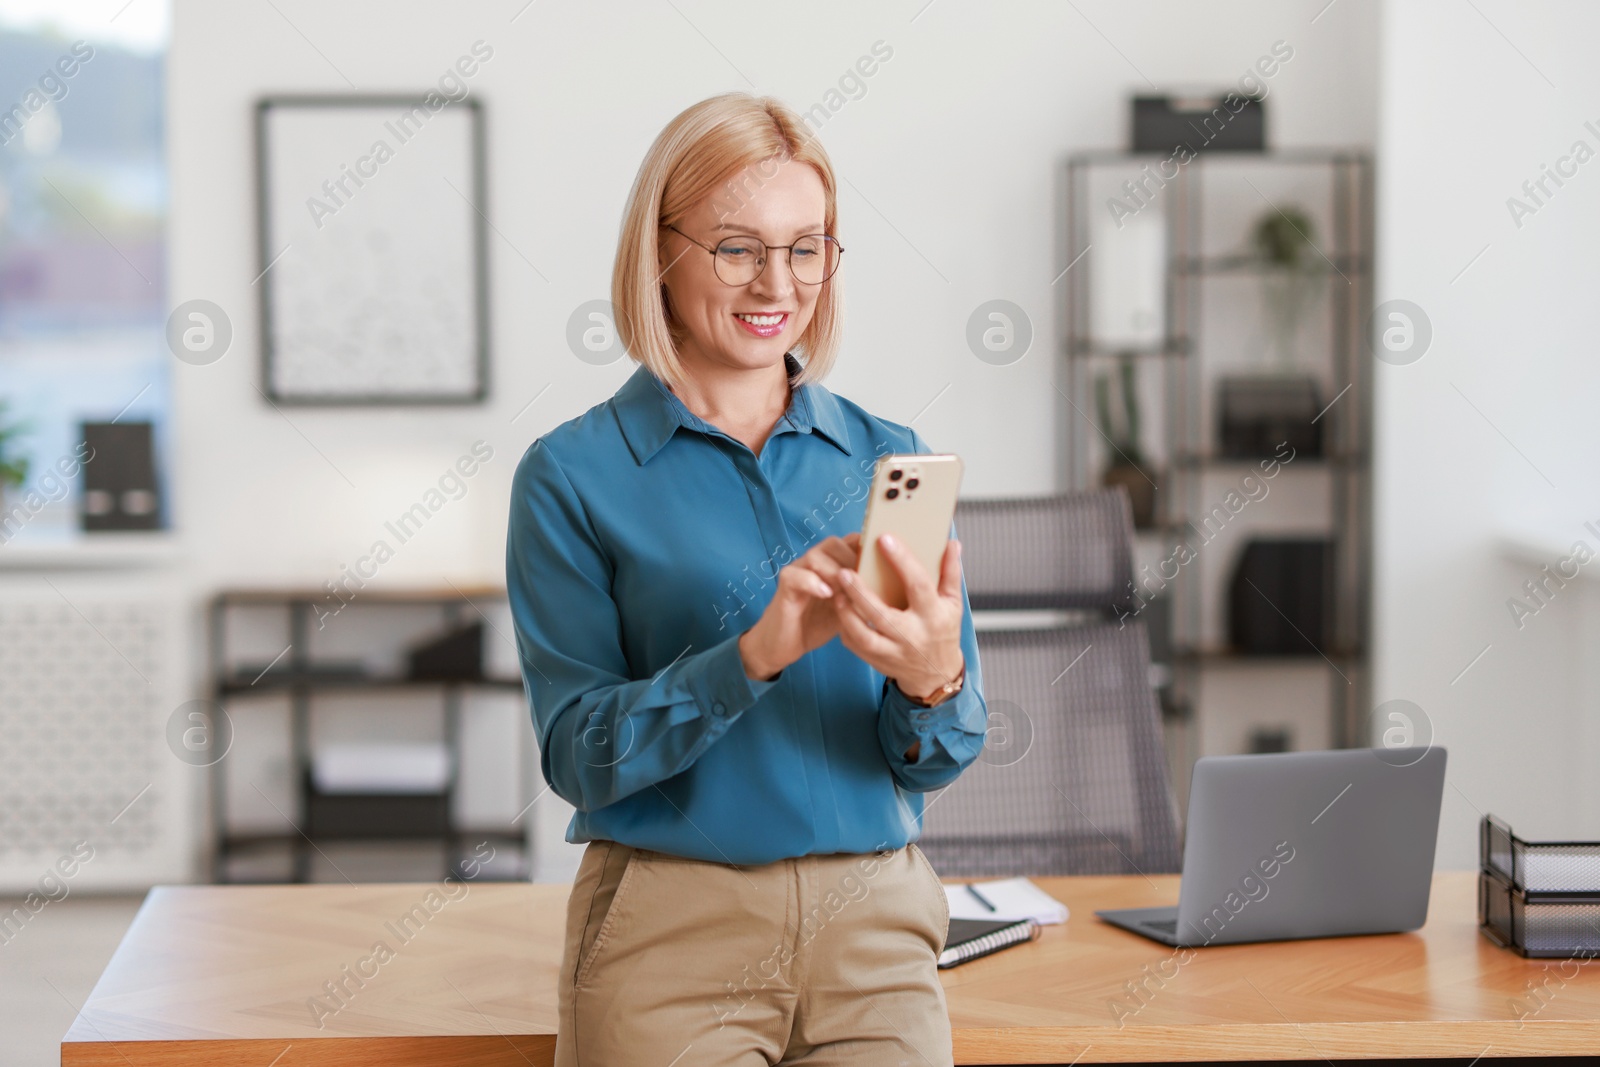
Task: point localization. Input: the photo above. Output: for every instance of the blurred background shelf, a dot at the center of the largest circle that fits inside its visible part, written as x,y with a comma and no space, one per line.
1214,296
1332,266
91,552
373,695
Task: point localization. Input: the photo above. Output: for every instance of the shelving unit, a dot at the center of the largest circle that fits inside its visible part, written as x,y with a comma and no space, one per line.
1212,297
302,677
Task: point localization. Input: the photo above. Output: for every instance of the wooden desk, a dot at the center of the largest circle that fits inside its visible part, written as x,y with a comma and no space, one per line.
219,975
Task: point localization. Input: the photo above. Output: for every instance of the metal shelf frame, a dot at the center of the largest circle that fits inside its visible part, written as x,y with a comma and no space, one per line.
1178,360
302,682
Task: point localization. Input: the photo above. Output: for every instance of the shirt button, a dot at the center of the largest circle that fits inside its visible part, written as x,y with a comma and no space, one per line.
719,708
922,716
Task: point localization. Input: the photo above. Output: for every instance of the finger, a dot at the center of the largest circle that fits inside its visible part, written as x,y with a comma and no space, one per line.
859,636
920,590
869,604
826,559
950,571
893,643
824,565
802,583
854,541
836,549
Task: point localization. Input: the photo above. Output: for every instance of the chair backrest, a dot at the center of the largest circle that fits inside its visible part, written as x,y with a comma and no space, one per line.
1073,778
1070,551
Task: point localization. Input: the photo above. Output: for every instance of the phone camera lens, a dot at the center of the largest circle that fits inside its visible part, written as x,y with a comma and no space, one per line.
891,494
911,483
894,476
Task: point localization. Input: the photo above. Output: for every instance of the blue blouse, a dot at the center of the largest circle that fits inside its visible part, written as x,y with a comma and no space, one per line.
643,541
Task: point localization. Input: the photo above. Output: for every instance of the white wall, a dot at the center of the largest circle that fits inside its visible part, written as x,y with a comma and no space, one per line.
1493,431
949,164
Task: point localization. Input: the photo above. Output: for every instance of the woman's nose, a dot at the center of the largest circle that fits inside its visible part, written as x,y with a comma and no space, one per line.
775,281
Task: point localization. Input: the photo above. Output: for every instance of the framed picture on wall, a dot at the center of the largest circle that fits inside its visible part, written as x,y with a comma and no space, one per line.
371,243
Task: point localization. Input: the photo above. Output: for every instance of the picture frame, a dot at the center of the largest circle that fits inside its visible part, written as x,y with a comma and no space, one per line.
373,274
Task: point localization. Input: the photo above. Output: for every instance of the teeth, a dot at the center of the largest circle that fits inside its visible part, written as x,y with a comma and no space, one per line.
762,320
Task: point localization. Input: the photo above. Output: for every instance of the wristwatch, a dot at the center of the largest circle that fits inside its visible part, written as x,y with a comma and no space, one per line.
944,692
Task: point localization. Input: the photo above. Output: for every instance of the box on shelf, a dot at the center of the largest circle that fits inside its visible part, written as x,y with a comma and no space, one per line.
1258,414
381,767
456,655
1279,596
1215,122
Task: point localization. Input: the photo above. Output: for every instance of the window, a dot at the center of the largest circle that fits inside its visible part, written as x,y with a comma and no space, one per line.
83,206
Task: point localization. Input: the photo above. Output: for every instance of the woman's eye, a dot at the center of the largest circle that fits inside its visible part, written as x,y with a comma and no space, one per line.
736,251
805,252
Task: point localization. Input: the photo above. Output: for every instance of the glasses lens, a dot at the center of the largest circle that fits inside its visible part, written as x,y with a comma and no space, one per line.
740,259
814,259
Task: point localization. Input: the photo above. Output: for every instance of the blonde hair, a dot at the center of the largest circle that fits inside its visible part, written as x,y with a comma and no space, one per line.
696,155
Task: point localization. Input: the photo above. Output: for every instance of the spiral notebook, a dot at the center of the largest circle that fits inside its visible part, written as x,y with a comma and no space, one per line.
970,938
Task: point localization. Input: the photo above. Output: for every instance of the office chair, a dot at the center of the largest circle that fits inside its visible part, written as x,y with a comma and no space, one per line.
1073,777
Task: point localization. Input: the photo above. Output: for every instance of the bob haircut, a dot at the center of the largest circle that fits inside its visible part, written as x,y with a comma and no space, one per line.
696,157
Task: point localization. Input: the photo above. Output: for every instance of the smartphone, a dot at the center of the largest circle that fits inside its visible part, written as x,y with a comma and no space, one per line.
914,498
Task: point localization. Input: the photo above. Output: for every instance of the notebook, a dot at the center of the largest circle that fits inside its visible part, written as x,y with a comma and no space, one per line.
1008,898
970,938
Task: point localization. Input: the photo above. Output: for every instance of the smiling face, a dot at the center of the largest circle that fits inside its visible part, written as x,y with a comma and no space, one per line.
744,327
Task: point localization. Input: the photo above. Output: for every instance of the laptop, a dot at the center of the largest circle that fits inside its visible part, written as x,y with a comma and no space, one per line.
1289,845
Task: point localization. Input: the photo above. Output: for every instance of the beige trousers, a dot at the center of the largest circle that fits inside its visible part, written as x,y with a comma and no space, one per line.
820,960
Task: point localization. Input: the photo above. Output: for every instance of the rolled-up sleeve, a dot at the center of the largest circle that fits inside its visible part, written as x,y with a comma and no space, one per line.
603,734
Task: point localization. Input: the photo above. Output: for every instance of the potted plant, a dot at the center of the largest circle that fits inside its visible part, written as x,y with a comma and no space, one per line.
13,463
1126,465
1281,241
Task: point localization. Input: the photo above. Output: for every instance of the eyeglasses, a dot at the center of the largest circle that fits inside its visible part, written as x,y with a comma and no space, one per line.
740,260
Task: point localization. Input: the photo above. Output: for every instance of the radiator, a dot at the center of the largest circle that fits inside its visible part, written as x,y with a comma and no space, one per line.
87,778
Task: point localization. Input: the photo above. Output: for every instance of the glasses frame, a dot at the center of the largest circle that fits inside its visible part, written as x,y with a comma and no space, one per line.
767,258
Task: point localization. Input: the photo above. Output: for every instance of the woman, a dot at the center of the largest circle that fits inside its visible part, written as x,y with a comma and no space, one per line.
680,563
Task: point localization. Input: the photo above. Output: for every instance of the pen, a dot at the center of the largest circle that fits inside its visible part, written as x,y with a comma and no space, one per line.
981,899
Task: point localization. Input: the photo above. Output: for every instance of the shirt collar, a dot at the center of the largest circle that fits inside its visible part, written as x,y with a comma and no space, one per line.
649,414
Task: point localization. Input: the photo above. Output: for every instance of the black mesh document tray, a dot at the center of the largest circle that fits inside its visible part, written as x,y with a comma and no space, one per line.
1539,866
1540,899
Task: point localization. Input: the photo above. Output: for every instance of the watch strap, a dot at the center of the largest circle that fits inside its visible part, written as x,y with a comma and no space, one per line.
944,692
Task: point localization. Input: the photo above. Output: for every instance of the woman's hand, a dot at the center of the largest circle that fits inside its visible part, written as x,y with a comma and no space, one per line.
801,615
919,648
